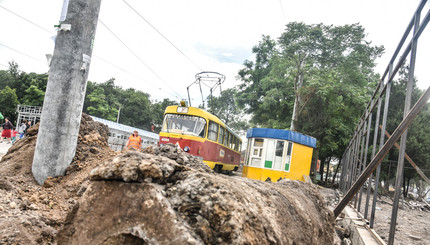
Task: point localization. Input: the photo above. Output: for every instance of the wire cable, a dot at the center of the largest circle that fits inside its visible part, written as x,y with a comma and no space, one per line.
165,38
131,74
29,21
283,14
143,62
31,57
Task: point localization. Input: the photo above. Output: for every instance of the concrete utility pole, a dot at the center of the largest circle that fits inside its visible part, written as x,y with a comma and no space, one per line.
65,92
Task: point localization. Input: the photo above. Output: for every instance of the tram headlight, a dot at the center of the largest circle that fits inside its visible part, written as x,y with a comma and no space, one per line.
186,149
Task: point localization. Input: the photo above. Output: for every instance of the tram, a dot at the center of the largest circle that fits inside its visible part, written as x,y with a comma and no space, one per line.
202,134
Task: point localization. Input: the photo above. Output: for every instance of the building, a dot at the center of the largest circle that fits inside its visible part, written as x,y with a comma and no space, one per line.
277,154
119,133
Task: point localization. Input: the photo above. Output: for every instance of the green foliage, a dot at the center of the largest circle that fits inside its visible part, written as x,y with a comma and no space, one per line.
136,109
157,112
33,94
102,99
324,72
8,103
418,140
100,106
226,108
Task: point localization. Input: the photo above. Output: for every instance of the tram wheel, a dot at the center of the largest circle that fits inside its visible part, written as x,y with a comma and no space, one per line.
218,168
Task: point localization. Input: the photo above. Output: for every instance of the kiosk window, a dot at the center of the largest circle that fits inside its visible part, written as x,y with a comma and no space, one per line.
288,156
256,152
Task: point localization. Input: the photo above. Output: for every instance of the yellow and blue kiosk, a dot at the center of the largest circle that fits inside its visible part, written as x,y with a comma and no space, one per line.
277,154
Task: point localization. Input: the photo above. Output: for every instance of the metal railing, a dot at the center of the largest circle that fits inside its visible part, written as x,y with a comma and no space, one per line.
355,170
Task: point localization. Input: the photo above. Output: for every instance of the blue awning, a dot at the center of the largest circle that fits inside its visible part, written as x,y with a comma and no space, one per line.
282,135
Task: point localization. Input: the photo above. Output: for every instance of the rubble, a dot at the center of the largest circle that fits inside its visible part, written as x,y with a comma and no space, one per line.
163,200
32,214
160,195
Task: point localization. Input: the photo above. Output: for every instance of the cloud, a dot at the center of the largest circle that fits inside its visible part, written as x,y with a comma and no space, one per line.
225,54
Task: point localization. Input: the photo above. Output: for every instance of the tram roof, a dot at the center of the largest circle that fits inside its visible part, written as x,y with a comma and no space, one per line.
282,134
173,109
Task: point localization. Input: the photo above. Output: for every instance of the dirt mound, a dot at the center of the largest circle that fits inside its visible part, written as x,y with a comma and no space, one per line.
32,214
139,198
160,195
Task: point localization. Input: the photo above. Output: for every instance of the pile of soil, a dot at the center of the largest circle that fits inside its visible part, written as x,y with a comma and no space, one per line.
160,195
170,197
32,214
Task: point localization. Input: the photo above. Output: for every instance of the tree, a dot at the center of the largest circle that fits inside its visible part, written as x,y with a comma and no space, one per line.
226,108
8,103
33,95
157,112
315,79
100,106
135,110
418,140
251,93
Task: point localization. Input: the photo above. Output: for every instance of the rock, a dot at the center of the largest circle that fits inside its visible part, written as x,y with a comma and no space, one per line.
12,205
48,183
5,185
416,238
145,199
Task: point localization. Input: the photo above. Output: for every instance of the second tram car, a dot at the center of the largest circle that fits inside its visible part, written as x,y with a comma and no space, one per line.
202,134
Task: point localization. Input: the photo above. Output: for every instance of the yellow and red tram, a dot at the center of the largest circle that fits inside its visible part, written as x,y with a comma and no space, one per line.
202,134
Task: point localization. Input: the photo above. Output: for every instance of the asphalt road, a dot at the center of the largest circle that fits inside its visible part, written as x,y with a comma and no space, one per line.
3,148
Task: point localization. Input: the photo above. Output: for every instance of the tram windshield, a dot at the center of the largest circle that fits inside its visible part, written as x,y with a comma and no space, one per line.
184,124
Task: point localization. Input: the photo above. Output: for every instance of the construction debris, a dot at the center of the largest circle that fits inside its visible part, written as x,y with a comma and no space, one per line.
161,195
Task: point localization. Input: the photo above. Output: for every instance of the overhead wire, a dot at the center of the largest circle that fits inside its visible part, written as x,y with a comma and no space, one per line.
161,34
52,33
283,13
29,21
143,62
131,74
22,53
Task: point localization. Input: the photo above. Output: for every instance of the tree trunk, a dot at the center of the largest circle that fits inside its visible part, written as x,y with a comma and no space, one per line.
322,168
297,101
420,189
328,170
335,173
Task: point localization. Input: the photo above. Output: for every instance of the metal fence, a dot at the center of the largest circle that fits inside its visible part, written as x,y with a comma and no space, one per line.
356,171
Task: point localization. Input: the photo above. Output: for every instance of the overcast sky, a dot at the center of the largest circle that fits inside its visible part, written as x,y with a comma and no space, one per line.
212,35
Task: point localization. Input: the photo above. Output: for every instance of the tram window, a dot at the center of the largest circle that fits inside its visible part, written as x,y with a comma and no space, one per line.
213,131
288,156
233,143
240,145
221,135
184,124
230,140
227,135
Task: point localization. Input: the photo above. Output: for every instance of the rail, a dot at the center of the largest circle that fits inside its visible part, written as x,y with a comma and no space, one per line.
355,171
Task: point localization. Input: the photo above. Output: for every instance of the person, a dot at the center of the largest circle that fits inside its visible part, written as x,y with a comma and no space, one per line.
14,134
134,142
28,125
22,129
7,130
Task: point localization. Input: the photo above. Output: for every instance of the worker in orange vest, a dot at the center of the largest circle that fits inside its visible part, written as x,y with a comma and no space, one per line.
134,141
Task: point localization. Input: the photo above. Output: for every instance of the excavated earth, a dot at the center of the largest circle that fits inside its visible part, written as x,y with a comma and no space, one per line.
157,196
